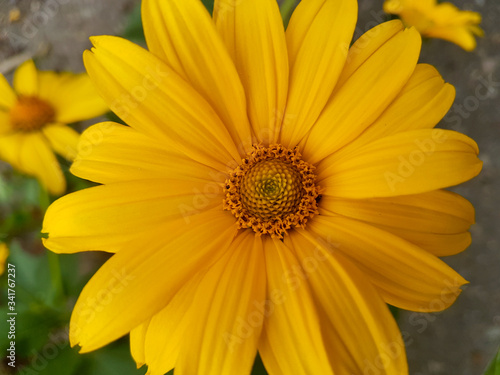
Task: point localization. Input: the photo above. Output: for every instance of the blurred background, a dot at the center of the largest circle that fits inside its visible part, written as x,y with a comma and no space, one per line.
460,341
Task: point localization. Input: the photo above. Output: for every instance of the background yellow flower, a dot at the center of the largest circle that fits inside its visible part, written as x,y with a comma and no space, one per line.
33,118
4,253
444,20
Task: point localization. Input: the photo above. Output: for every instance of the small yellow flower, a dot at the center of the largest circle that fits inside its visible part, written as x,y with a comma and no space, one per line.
274,190
33,118
4,254
444,20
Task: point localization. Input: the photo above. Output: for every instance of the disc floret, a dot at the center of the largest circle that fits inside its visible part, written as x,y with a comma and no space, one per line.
272,190
31,113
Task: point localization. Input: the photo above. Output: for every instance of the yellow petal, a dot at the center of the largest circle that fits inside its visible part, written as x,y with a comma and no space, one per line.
411,162
359,328
366,45
5,124
31,154
253,34
183,250
110,152
443,20
421,104
405,275
38,159
435,243
63,139
365,95
73,96
292,341
7,94
454,25
26,79
153,99
182,34
458,35
227,321
10,145
168,328
434,212
137,341
4,254
106,217
437,221
318,38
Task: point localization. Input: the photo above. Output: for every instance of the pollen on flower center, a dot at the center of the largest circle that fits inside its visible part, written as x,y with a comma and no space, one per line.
272,190
31,113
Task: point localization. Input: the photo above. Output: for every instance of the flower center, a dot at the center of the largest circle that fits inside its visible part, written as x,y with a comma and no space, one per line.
30,113
272,191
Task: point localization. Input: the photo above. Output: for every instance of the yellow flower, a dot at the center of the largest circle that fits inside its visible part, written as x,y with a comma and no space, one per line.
433,20
272,193
4,254
33,118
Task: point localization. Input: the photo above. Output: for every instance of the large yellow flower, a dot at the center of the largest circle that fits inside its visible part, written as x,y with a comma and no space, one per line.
272,193
33,117
444,20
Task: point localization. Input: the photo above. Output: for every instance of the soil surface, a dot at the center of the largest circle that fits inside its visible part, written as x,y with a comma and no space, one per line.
458,341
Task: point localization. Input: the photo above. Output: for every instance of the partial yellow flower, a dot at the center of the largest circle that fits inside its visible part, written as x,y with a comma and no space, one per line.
4,254
33,118
273,192
443,20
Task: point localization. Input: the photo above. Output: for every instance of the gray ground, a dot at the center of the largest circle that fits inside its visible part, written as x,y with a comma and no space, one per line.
459,341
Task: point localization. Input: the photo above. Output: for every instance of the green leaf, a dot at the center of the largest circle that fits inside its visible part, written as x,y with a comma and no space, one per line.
494,367
38,314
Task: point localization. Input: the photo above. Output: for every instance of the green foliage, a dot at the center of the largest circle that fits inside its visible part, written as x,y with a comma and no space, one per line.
46,287
286,9
111,360
209,4
258,367
134,31
494,367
